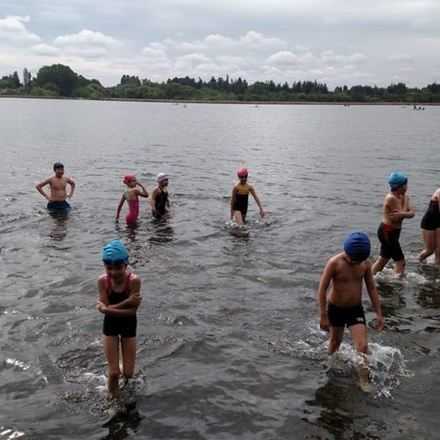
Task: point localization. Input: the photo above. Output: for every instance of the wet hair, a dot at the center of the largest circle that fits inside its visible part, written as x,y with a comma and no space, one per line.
57,165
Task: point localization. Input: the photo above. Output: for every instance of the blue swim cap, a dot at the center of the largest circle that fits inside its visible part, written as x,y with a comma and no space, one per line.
396,180
357,246
114,252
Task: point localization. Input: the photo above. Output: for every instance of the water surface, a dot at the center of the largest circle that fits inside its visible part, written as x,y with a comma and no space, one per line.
229,345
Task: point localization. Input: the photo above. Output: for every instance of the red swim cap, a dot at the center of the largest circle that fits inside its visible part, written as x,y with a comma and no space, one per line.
242,172
129,178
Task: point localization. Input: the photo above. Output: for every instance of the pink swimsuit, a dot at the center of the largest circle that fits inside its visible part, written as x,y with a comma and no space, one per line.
133,211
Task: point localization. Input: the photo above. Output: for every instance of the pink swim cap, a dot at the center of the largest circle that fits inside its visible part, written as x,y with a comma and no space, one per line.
242,172
129,178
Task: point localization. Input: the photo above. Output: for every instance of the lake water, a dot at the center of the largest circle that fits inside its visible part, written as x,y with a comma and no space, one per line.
229,344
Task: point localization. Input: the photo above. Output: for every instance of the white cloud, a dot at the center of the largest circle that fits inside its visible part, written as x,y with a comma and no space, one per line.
154,53
13,31
259,41
283,58
329,57
45,50
191,61
401,58
86,38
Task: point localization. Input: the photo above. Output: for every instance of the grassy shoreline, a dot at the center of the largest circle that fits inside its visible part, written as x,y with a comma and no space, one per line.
207,101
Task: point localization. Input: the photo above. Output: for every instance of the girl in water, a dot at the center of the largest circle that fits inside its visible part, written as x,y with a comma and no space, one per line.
159,199
431,229
132,197
119,298
240,197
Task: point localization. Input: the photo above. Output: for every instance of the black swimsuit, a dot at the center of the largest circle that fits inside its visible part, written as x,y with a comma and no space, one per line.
124,326
431,219
160,204
241,204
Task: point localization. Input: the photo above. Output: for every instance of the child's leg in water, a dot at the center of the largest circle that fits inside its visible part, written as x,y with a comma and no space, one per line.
238,218
128,356
360,341
111,350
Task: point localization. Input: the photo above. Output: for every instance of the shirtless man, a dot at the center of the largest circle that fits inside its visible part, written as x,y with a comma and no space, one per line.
396,207
58,193
343,305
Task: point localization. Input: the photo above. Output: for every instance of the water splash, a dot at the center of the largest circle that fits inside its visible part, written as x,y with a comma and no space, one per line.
388,276
236,229
386,364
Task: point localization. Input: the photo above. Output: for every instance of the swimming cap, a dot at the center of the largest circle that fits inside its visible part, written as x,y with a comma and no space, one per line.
129,178
396,180
357,246
242,172
114,252
161,177
57,165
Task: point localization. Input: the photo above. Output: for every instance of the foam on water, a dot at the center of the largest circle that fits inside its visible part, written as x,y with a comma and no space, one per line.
10,433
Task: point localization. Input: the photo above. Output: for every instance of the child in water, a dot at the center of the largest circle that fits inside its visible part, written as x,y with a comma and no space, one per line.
342,306
396,207
159,199
431,229
240,198
132,197
57,184
119,297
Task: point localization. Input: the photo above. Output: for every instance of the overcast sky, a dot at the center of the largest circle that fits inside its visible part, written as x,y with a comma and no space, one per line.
334,41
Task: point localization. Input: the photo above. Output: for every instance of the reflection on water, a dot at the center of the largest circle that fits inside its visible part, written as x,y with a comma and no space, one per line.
59,227
123,425
161,230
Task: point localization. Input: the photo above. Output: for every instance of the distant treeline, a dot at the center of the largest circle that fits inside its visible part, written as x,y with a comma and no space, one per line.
61,81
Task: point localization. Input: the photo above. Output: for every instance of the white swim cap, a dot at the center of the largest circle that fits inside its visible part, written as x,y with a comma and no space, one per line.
161,177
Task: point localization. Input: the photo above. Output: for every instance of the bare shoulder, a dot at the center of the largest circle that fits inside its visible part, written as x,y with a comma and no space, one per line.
134,279
102,280
391,200
335,261
390,197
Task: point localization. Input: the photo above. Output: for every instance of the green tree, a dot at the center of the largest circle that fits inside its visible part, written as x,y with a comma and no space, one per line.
63,77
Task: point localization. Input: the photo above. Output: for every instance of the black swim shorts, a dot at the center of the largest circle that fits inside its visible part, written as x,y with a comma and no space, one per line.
58,206
345,316
120,326
389,241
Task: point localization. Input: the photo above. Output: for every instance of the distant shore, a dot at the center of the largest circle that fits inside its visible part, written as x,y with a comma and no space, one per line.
208,101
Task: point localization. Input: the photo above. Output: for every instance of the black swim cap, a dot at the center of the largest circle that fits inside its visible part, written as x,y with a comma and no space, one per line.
57,165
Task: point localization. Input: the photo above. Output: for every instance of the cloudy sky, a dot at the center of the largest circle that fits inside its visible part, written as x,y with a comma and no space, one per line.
334,41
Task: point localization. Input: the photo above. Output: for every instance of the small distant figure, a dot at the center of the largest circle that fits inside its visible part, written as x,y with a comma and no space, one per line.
119,298
240,198
131,195
58,192
160,202
430,226
342,307
396,207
